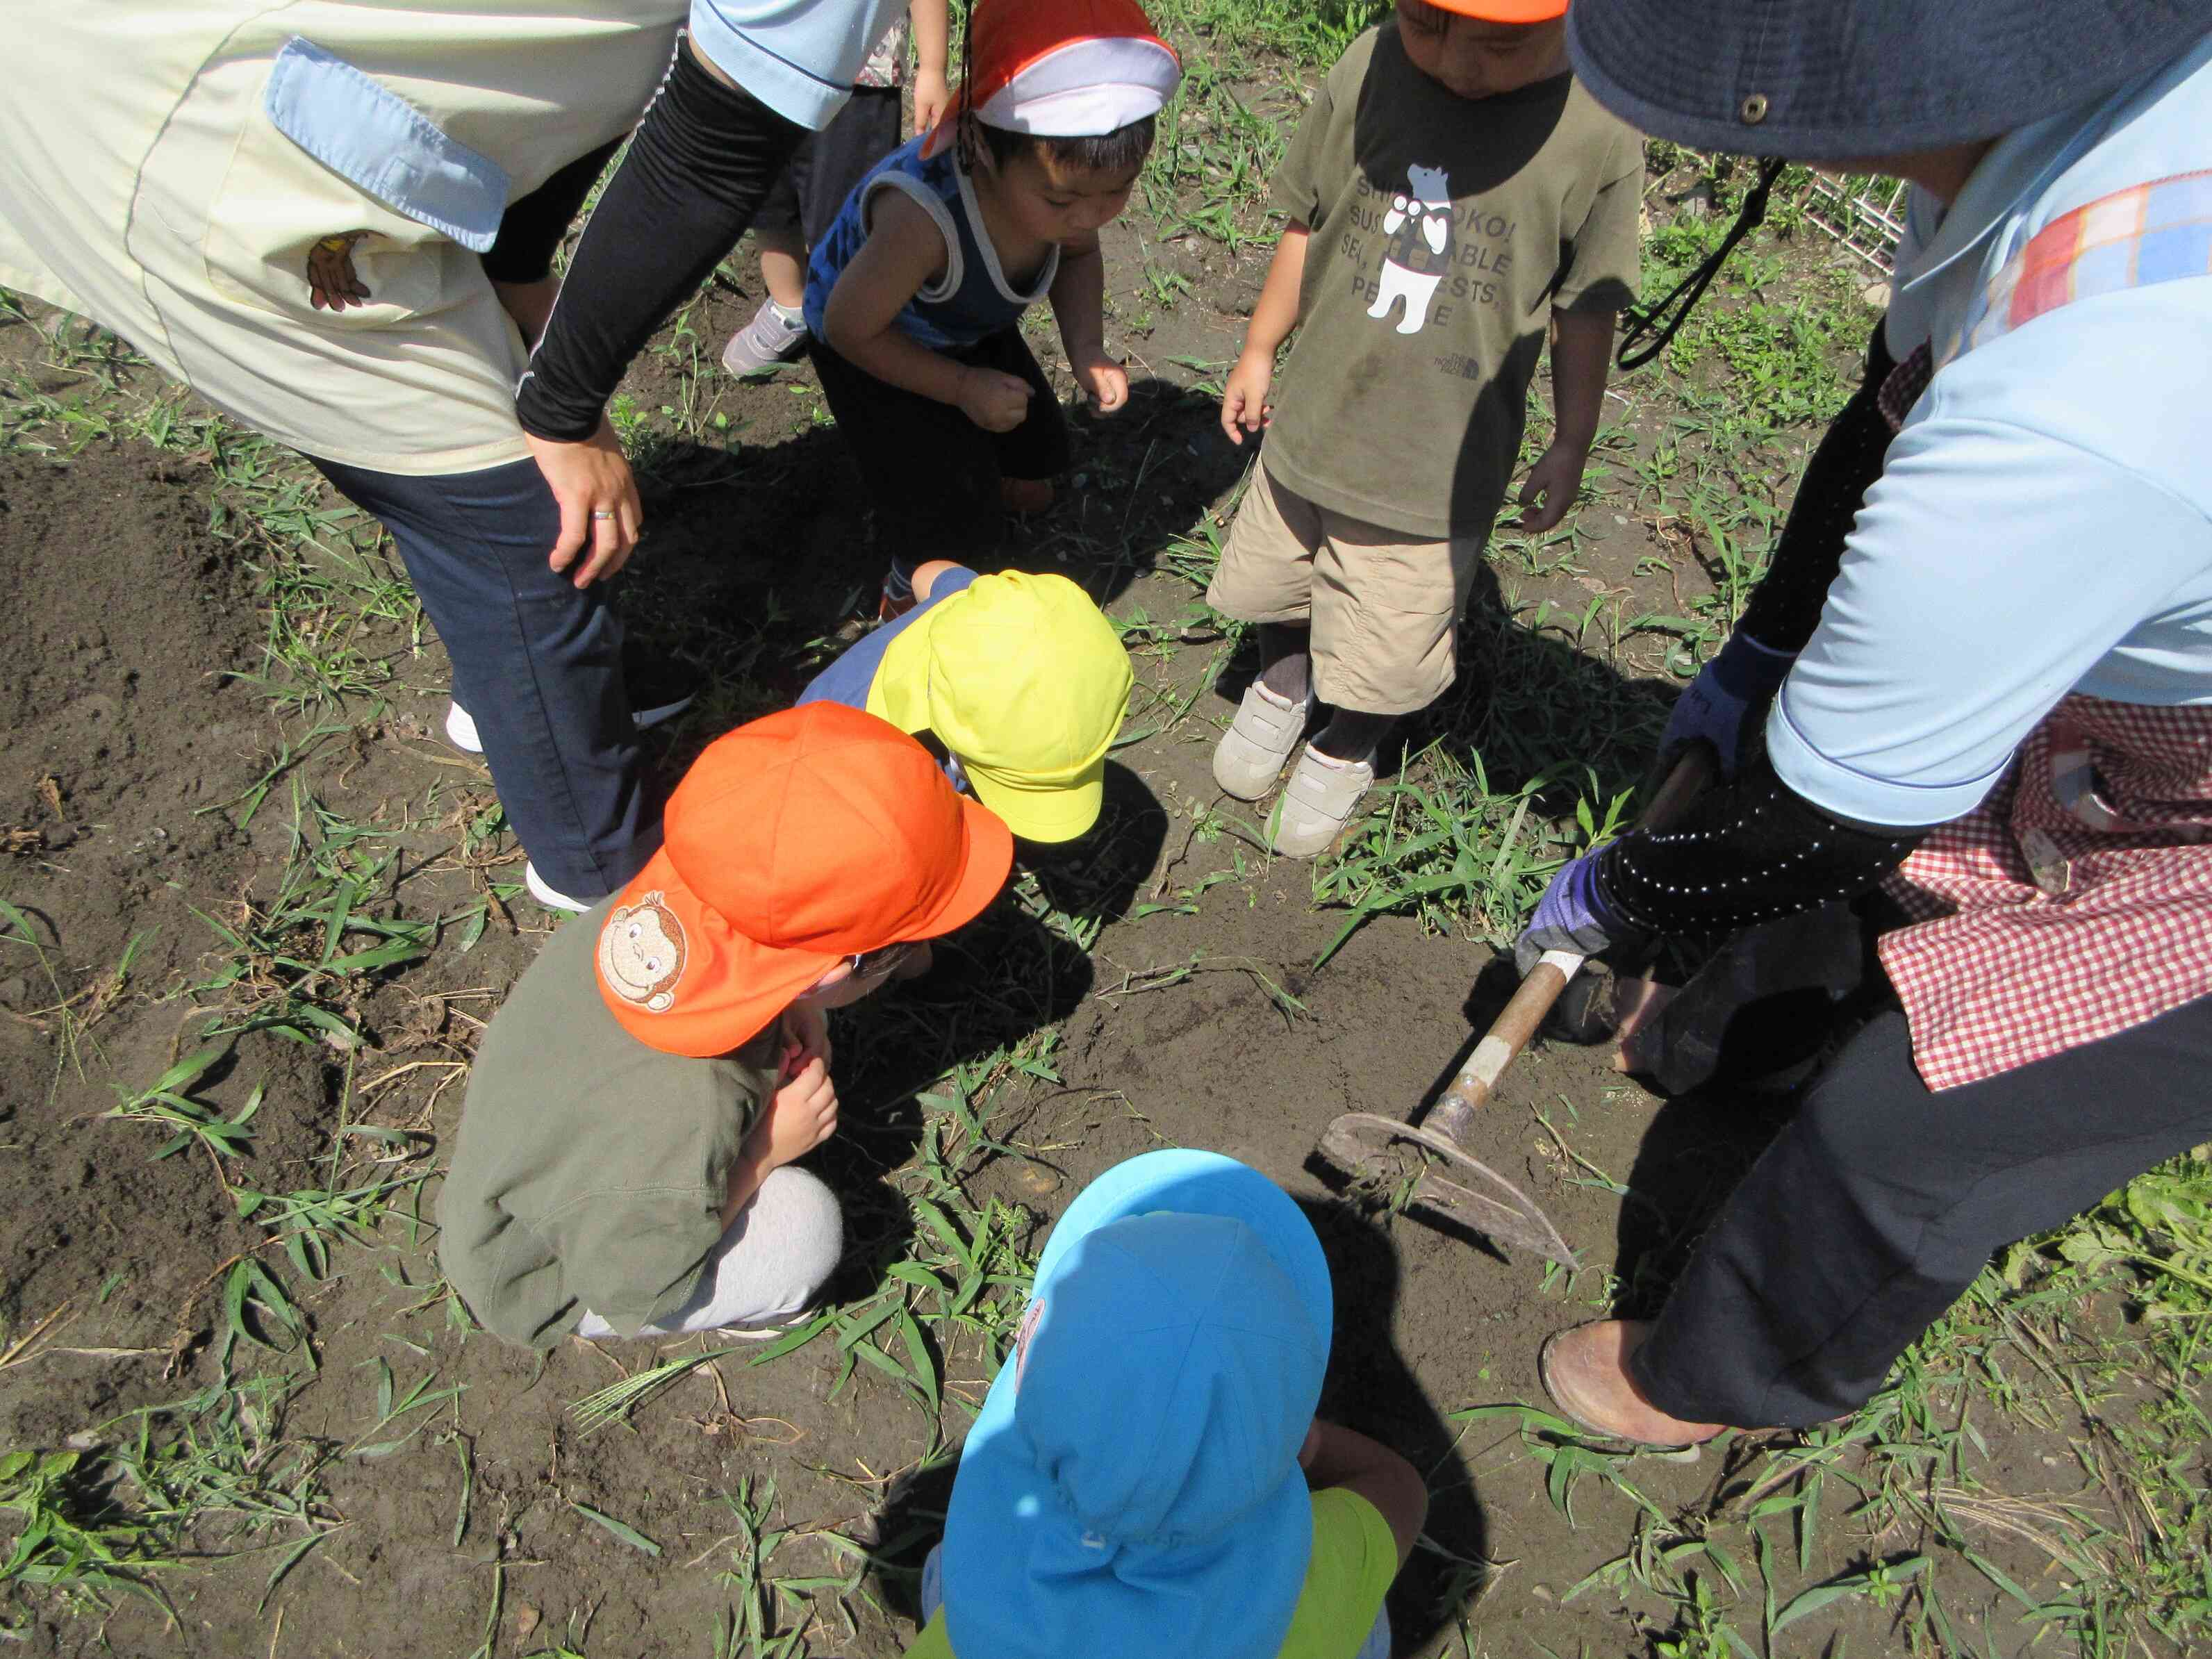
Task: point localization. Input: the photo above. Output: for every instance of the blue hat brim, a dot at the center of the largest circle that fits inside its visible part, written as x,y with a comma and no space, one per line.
1235,1601
1818,81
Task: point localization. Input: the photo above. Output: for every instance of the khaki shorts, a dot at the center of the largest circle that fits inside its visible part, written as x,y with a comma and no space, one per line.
1383,609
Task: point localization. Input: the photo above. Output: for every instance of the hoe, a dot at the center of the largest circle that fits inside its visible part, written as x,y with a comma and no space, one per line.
1372,1149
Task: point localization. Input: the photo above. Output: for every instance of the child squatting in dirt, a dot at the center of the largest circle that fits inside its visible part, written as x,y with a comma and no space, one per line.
914,296
1147,1474
624,1161
1020,677
1450,190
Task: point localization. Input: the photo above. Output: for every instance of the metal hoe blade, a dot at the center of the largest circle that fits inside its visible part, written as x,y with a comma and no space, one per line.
1363,1143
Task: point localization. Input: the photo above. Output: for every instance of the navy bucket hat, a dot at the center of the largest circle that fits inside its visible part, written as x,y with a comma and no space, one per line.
1841,80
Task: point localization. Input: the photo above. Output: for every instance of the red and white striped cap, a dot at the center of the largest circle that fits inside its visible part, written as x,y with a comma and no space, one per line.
1061,68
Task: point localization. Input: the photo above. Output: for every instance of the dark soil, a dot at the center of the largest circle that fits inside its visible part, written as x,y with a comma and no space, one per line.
127,745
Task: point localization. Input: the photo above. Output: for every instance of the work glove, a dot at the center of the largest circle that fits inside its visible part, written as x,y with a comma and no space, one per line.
1740,680
1572,915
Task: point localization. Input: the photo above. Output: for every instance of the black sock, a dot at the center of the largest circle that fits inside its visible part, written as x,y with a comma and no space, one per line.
1287,667
1350,735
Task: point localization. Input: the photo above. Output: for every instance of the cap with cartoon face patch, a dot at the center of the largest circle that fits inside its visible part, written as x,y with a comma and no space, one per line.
1022,678
1060,69
792,842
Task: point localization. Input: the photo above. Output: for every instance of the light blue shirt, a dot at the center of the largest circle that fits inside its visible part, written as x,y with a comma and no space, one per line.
2043,522
797,56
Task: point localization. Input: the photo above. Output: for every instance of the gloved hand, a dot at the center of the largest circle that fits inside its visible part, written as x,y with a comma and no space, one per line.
1572,915
1742,676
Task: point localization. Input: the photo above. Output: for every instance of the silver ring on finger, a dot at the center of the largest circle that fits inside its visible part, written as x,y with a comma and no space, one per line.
603,515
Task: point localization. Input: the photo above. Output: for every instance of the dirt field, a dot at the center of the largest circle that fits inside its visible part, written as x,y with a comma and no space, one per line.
258,914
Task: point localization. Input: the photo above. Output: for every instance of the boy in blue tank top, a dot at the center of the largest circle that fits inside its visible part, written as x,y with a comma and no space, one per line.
914,296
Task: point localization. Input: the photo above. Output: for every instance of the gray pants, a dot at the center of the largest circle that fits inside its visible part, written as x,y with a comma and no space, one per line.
769,1265
1376,1646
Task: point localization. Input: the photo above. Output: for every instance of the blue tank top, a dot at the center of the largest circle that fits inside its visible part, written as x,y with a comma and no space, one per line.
974,299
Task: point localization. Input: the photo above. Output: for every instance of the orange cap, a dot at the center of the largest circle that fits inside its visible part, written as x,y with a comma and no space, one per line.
1504,11
792,842
1060,69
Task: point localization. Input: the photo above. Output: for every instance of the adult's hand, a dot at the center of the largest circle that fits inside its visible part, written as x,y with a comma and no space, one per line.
1740,680
600,513
1572,915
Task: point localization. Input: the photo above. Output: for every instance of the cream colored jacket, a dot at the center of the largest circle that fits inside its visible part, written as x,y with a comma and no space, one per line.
165,166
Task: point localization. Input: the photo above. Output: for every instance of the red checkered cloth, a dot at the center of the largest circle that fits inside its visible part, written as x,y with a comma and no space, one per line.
2072,904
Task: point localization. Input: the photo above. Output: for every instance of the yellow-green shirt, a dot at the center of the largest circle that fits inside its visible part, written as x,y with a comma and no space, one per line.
1354,1560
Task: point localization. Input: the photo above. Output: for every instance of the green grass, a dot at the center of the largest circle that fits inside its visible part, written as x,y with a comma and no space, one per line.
2094,1336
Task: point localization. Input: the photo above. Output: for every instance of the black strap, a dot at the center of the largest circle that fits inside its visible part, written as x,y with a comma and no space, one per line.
1641,323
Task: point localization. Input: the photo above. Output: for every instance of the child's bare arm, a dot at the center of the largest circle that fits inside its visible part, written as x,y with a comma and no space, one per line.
932,28
1582,357
1338,1456
1078,305
904,251
1244,396
800,1116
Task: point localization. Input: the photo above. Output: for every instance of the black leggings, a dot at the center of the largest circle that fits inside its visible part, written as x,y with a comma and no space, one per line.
931,473
1878,1204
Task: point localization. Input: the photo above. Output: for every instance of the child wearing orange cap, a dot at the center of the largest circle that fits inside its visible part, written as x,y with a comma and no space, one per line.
625,1160
1452,195
915,295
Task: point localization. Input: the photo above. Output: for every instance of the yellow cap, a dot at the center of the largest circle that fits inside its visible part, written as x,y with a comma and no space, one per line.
1024,681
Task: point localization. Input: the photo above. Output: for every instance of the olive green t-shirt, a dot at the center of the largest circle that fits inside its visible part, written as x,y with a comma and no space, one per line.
591,1170
1445,231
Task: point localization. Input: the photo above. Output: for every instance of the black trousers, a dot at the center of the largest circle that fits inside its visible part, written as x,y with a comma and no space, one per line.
932,472
1876,1206
823,171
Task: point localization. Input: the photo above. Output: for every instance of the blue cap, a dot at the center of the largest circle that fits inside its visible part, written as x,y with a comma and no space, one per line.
1132,1485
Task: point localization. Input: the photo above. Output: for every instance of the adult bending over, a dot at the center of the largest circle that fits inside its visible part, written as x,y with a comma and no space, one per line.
752,78
336,222
2002,712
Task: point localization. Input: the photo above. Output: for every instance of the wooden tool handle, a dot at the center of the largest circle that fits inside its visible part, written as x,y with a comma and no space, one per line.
1454,1112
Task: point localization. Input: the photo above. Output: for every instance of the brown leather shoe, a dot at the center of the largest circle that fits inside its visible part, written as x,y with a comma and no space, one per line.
1585,1371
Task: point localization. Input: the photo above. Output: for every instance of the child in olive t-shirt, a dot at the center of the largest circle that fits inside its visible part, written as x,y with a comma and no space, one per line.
624,1166
1451,196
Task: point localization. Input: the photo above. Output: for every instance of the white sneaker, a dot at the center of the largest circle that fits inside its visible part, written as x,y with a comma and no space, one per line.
461,726
1250,757
1317,803
773,338
461,730
551,897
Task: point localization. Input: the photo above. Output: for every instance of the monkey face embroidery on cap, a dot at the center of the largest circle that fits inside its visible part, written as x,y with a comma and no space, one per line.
641,951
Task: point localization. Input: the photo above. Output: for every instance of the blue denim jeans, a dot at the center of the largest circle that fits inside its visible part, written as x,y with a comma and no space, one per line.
536,662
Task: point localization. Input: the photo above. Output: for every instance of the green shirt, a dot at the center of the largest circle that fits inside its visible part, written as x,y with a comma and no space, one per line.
1445,232
592,1171
1354,1559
